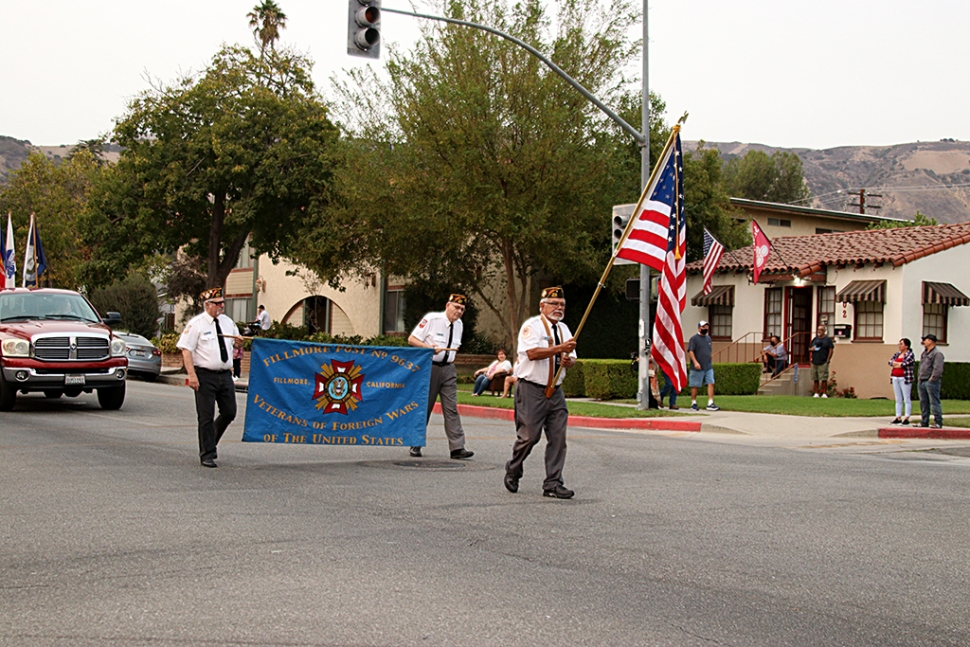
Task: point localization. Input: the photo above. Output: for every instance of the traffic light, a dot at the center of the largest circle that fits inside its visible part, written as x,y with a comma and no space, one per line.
364,28
621,216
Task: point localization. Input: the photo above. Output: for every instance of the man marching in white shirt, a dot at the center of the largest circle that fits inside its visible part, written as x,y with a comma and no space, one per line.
544,343
441,331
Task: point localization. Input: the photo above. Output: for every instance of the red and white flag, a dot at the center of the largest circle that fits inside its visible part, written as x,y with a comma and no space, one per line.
646,238
762,248
713,250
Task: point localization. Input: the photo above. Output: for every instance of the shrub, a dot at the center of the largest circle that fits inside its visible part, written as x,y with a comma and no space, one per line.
573,386
731,379
166,343
605,379
956,381
136,299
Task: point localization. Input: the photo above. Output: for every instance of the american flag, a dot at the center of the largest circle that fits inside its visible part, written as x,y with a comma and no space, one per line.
647,240
668,337
713,251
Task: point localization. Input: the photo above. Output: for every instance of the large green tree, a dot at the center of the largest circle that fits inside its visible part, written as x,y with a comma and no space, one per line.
778,177
244,148
474,162
57,194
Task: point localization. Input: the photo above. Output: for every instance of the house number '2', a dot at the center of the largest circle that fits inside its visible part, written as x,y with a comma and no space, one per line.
844,313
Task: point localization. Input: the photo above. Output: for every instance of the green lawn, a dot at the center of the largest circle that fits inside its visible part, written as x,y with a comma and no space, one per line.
794,405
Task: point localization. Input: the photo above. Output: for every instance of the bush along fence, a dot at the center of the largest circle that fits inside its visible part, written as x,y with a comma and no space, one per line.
955,382
606,379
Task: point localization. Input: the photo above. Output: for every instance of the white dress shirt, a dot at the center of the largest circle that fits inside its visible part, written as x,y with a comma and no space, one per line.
433,330
533,335
200,338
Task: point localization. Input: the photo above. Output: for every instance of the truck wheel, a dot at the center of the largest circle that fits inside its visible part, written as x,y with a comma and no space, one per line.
113,398
8,394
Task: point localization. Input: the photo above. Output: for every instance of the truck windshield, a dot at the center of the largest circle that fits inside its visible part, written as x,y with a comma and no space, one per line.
32,306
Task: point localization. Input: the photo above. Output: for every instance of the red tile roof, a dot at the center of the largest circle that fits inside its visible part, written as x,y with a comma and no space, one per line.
804,255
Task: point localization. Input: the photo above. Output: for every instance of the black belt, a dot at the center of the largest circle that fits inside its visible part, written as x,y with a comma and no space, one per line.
209,370
541,386
441,363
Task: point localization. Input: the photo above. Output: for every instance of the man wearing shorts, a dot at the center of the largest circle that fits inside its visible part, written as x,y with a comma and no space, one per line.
822,349
701,368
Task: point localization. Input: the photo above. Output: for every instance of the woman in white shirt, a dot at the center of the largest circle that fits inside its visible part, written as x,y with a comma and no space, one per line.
483,376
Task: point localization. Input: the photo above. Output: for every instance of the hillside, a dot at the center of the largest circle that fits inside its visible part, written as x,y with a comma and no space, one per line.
931,177
925,176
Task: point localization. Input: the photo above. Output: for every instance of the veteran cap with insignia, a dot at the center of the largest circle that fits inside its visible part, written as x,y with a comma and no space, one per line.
553,293
460,299
211,293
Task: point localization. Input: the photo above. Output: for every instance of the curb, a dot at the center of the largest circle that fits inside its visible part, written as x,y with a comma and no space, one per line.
651,424
947,433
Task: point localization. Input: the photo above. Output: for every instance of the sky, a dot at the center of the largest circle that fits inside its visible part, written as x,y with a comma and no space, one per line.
798,75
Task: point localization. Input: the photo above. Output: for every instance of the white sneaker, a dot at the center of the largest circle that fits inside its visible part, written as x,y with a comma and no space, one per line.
815,396
825,395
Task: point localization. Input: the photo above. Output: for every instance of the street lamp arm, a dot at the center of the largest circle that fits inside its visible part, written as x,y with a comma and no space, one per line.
532,50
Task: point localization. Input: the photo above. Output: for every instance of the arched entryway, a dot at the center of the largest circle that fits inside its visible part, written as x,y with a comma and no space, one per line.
320,314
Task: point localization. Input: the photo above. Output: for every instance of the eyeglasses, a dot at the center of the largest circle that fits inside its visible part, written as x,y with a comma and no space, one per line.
555,304
218,303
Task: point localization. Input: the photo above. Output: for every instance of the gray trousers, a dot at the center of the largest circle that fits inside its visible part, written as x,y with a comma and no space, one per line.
444,382
533,413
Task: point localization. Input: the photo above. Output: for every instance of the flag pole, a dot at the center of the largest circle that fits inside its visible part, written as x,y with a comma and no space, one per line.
626,232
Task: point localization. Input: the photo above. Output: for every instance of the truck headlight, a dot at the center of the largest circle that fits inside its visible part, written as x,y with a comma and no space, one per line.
16,348
118,347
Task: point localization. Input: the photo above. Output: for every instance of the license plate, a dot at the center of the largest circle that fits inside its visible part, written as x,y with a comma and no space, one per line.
138,353
73,380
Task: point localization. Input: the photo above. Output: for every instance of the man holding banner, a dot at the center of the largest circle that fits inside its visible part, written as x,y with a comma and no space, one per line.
545,344
441,332
206,345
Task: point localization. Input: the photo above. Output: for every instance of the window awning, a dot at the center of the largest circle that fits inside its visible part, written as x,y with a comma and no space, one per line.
721,295
944,293
862,291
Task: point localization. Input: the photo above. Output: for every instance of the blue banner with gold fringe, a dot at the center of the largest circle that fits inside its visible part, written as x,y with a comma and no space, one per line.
328,394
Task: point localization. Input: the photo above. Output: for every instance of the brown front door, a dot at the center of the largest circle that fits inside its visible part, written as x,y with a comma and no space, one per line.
799,323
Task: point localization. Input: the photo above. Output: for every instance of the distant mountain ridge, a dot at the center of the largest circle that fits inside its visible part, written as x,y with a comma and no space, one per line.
930,177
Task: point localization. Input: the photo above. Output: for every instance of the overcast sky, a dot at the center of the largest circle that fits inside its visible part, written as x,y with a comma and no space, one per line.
815,75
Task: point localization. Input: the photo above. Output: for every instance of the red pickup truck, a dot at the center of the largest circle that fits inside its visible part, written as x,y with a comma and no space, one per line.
53,341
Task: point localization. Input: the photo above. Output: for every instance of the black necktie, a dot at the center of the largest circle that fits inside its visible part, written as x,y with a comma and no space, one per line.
451,331
555,335
223,353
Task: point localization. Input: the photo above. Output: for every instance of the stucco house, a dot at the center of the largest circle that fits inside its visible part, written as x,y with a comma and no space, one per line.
870,288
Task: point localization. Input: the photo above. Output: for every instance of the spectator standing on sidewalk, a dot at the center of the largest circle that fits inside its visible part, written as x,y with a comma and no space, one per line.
699,351
901,377
930,376
822,348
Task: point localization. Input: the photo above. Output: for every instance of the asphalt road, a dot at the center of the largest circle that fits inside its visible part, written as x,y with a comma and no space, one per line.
112,534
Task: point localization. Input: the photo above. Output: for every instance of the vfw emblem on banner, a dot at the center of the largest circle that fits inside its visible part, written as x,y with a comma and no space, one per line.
326,394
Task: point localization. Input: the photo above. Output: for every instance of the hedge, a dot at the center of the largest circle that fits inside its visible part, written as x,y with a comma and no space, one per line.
733,379
573,385
607,379
955,382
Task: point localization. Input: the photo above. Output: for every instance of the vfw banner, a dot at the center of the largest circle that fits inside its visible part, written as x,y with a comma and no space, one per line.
326,394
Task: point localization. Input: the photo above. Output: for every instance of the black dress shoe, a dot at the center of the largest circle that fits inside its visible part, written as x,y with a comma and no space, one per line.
511,483
209,463
416,452
559,492
462,453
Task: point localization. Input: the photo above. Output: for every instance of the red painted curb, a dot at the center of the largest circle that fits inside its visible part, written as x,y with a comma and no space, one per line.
656,424
951,433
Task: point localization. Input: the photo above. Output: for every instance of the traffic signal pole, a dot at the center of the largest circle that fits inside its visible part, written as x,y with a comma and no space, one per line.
641,137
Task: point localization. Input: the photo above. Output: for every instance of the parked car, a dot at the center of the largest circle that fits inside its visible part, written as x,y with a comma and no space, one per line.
54,341
144,360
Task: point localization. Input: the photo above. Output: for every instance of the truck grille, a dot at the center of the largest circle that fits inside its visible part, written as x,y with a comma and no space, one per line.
59,349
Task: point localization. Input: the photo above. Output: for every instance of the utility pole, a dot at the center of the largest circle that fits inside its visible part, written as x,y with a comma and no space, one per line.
861,204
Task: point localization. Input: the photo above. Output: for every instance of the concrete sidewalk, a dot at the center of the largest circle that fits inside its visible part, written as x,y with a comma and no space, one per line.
794,429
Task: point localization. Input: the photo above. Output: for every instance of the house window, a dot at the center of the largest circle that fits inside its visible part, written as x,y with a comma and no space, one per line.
245,260
773,313
826,306
779,222
394,311
720,318
824,230
868,321
934,320
238,310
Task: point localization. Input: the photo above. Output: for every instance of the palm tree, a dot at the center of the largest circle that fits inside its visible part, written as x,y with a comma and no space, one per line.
266,20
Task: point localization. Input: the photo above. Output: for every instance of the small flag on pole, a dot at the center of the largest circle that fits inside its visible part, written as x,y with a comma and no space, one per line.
7,257
762,248
713,250
35,261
